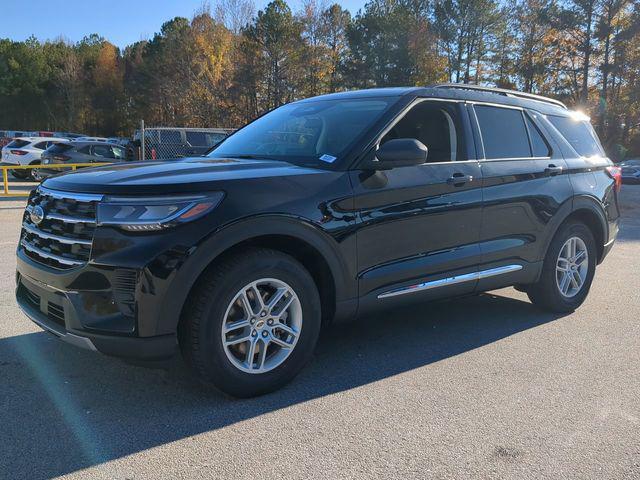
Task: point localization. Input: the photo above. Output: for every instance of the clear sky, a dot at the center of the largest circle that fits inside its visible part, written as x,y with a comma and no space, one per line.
122,22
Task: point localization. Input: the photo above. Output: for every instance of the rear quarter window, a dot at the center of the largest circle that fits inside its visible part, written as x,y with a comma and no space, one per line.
579,134
17,144
539,145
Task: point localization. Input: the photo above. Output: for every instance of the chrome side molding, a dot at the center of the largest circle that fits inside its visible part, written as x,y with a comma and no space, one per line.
442,282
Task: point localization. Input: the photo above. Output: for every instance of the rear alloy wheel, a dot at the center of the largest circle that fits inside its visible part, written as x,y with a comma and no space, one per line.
567,271
251,323
572,267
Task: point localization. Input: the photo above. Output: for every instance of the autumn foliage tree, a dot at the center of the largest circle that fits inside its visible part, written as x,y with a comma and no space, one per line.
230,63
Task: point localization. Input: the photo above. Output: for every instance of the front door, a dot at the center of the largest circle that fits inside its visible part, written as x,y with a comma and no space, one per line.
419,226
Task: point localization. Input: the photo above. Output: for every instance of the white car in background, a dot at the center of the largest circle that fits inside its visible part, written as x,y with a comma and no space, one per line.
27,151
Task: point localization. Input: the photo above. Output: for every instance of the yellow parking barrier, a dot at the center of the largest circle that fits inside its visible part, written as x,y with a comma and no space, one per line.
6,168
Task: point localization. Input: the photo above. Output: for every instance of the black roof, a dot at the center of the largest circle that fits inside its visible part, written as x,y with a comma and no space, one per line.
458,92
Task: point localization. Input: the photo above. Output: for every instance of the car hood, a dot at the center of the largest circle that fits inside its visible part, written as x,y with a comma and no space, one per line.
176,176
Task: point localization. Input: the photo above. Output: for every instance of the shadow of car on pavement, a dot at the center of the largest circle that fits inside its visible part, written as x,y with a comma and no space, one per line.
64,409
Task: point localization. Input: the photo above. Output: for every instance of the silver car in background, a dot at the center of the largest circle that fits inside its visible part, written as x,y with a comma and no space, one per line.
630,171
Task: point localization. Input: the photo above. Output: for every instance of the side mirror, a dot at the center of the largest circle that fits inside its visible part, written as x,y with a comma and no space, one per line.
401,152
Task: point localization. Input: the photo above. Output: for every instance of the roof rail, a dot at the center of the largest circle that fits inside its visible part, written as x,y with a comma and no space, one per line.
502,91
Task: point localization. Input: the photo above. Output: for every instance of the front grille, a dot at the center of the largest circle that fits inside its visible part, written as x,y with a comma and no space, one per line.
56,313
62,239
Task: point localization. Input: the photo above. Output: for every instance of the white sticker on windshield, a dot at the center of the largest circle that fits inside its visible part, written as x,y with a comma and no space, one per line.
328,158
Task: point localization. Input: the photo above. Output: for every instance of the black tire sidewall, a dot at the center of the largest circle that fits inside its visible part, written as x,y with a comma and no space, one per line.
548,285
19,174
213,359
31,171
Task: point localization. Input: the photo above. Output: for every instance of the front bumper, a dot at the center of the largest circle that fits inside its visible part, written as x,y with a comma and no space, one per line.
65,313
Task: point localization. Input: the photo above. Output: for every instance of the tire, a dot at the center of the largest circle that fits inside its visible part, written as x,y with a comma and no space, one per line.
217,299
547,292
30,175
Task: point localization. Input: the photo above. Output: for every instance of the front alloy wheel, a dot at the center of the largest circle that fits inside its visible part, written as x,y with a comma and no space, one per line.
252,322
262,325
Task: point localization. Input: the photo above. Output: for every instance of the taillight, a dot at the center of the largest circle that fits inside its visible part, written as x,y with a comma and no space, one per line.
616,174
61,158
19,152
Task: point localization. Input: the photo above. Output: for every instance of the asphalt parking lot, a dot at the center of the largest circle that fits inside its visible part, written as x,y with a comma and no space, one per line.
481,387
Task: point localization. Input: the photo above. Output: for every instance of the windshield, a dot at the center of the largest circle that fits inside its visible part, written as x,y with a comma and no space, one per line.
310,133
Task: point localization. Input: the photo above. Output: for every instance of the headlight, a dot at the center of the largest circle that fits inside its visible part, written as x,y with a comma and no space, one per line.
143,214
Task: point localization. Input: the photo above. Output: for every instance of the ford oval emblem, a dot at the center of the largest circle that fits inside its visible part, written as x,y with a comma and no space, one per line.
37,215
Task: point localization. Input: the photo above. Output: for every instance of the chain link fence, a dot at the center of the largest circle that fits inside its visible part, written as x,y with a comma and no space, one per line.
162,143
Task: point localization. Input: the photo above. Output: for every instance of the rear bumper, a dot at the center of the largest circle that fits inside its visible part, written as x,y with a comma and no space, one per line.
614,227
35,300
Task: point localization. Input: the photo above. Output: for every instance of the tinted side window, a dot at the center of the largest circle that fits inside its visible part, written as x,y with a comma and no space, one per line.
579,134
103,151
504,134
59,148
433,124
538,143
119,153
40,145
170,136
197,139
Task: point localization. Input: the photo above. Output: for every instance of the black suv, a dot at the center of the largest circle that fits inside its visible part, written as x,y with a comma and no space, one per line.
325,208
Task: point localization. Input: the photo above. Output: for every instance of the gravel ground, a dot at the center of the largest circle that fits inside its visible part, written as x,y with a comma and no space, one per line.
481,387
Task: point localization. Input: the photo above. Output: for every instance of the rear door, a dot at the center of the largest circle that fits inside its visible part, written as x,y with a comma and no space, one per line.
525,183
420,225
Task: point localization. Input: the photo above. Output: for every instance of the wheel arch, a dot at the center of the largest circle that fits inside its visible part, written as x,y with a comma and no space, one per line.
316,250
589,211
